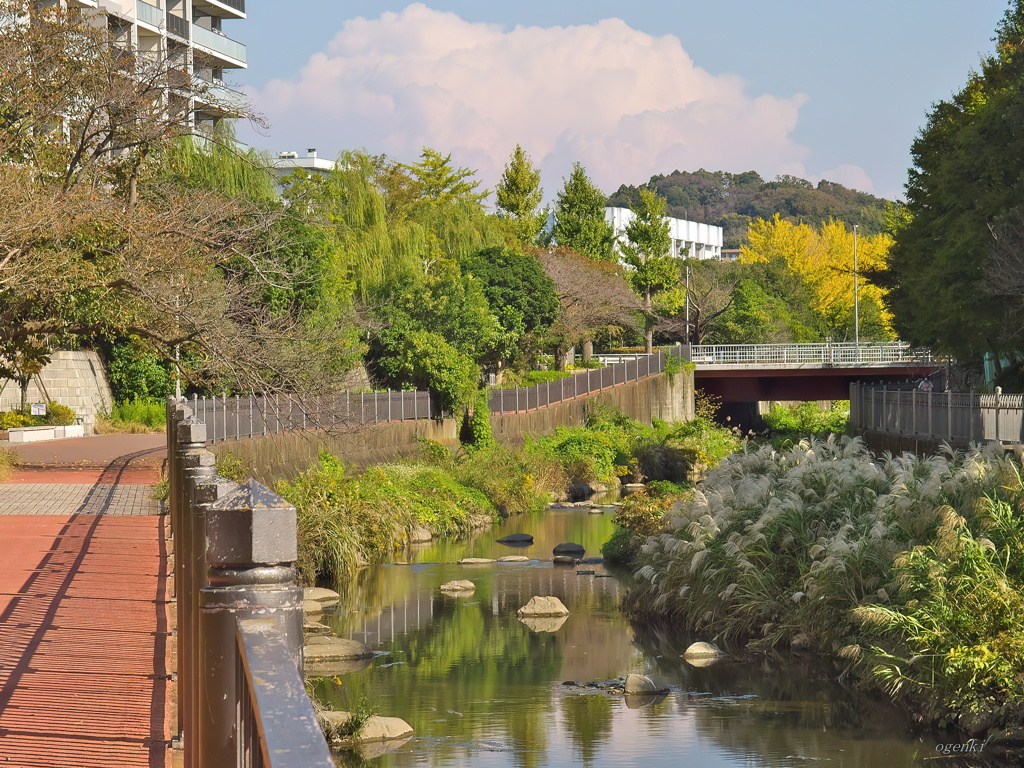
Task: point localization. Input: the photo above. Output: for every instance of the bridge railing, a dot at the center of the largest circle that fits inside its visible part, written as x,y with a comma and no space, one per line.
957,418
844,353
241,698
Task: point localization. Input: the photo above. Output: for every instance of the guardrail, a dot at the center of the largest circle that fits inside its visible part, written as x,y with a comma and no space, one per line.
957,418
231,418
241,699
845,353
522,399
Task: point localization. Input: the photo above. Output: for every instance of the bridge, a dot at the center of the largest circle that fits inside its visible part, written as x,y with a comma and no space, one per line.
747,373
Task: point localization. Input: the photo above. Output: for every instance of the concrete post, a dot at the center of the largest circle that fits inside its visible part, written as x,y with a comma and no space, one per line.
251,551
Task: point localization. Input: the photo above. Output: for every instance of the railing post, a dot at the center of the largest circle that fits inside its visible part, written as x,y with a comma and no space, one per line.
999,393
251,551
885,409
193,464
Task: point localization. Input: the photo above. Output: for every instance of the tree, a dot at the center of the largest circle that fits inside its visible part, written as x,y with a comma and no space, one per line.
518,196
579,218
437,179
96,241
648,252
592,295
967,177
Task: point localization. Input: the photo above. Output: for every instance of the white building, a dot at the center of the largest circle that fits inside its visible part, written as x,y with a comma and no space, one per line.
690,239
186,33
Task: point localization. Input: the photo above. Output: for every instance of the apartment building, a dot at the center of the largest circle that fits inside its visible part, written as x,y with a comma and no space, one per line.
189,36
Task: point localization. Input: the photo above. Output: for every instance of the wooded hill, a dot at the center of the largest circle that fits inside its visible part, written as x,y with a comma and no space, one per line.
733,200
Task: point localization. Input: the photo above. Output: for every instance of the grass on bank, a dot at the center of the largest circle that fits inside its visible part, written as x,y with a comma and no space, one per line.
911,569
9,461
140,416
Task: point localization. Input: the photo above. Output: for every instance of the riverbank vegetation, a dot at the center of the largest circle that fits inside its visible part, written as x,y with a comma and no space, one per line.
347,520
905,569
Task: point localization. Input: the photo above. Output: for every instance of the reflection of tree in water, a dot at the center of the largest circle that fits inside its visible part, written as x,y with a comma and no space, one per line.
463,667
796,707
588,719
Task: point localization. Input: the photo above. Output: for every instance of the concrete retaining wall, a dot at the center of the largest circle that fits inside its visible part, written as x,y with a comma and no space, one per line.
649,398
286,455
75,379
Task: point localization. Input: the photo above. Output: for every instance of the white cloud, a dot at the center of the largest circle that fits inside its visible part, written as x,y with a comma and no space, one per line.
852,176
624,103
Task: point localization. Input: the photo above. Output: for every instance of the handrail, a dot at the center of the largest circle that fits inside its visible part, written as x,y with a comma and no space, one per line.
235,549
276,724
843,353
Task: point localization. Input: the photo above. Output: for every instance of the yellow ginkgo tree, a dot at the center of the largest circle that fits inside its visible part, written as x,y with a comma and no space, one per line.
823,258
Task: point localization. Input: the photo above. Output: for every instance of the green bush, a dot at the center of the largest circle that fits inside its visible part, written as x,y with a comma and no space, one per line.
514,481
532,378
15,419
808,419
140,410
59,415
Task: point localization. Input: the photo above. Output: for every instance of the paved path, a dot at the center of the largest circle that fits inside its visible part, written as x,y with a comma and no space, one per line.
84,630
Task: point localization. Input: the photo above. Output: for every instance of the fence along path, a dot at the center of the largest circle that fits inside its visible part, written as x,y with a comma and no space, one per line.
228,418
958,418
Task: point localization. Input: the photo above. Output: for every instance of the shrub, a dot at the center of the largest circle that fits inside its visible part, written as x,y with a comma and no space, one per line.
809,419
59,415
148,411
8,462
514,481
15,419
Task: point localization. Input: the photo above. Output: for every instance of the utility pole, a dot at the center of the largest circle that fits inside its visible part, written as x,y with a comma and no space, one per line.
687,303
856,298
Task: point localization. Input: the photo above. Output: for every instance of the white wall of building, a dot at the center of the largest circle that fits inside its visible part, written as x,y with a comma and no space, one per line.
690,239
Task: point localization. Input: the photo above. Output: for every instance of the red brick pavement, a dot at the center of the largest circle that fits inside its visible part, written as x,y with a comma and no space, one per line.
84,643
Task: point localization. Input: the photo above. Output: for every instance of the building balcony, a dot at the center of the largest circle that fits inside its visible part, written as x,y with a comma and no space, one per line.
177,26
216,98
228,53
149,14
225,9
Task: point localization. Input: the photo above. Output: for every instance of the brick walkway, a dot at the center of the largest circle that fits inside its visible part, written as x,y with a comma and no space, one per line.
84,632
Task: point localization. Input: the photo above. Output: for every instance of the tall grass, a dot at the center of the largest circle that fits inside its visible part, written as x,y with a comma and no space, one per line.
909,567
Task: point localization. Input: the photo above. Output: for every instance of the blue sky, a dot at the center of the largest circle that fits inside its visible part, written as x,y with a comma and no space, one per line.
819,89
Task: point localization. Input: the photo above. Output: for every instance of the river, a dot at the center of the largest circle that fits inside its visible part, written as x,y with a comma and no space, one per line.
481,689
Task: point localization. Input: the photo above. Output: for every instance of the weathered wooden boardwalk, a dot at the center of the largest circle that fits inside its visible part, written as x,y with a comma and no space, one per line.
85,645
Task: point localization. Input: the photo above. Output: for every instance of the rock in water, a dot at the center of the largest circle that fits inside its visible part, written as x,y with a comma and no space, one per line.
462,585
543,606
641,684
475,561
513,559
569,548
418,535
326,648
321,595
703,651
564,560
516,538
376,728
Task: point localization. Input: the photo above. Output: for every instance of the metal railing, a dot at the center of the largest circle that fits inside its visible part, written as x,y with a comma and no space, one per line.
176,25
957,418
521,399
150,14
241,699
231,418
845,353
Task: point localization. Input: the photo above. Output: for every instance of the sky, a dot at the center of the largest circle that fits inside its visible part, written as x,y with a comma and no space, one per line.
811,88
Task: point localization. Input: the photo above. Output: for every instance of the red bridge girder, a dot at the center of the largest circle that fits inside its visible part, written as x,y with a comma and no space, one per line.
750,385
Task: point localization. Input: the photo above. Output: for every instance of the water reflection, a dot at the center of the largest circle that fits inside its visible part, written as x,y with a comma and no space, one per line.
481,688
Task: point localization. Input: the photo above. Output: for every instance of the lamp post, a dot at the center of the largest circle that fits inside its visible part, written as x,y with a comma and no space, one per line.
856,298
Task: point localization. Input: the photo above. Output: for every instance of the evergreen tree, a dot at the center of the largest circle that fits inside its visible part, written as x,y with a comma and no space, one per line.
439,180
579,217
518,196
648,252
968,175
